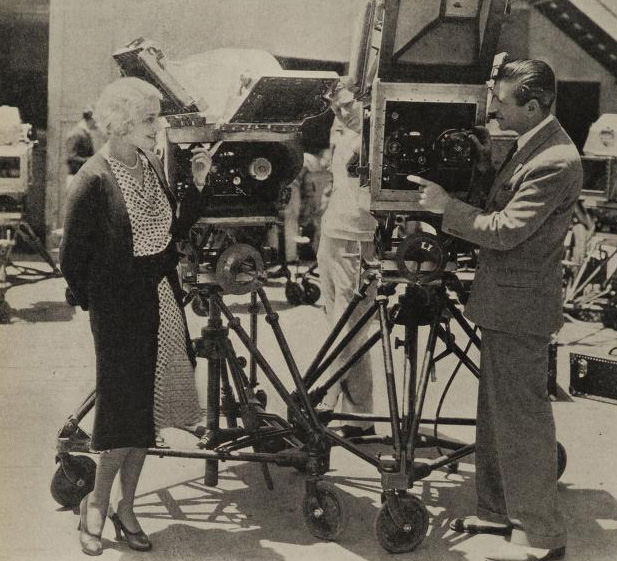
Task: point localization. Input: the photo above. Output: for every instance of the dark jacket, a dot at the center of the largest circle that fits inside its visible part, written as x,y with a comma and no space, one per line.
79,147
120,292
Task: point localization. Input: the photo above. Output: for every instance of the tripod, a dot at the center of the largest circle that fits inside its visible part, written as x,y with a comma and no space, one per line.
402,521
261,430
298,442
12,226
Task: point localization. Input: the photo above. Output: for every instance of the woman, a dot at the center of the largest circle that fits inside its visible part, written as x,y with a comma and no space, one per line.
119,259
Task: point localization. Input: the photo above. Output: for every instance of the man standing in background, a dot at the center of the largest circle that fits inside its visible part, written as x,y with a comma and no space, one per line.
347,232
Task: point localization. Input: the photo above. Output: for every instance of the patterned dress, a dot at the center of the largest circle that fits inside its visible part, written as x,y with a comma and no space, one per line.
175,396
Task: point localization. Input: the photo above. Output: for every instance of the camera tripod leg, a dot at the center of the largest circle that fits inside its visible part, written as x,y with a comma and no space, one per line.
213,394
395,419
319,365
427,367
272,319
234,323
253,311
27,233
317,394
229,406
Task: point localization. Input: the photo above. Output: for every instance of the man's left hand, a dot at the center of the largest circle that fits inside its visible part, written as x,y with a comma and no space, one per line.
433,197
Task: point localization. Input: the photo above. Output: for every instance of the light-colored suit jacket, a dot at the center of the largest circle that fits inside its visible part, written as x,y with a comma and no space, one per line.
518,282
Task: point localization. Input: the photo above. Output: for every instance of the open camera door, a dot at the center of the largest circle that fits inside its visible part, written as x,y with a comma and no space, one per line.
365,47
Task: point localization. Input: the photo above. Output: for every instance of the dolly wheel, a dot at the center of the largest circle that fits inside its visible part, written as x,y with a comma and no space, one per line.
73,479
324,513
562,459
413,526
311,293
294,293
199,308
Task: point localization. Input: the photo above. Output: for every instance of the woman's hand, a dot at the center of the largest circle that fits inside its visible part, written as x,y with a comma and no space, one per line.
201,162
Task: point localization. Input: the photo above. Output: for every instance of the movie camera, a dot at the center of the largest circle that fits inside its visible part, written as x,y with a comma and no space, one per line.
16,181
421,68
248,112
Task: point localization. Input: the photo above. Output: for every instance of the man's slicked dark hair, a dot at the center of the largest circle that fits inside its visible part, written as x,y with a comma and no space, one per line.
534,79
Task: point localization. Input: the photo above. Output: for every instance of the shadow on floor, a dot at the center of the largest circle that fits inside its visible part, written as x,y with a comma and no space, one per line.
250,513
187,543
43,312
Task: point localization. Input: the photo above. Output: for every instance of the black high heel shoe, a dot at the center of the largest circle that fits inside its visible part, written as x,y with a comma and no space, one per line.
136,540
90,543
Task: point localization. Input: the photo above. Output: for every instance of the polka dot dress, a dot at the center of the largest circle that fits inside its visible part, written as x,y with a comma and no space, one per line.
175,395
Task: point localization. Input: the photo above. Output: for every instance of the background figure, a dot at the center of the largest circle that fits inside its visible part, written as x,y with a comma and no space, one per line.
80,146
80,142
119,258
302,214
516,298
347,232
317,180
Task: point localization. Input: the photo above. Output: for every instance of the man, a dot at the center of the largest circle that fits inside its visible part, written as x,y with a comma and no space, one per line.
347,231
516,300
79,144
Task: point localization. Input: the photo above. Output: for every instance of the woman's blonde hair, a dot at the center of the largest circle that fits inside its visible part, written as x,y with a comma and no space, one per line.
120,102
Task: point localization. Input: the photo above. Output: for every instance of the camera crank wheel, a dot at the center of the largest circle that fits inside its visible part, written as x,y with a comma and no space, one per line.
324,513
421,257
562,460
402,531
73,480
240,269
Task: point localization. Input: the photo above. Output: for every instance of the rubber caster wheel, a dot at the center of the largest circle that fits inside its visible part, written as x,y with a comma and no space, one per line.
453,467
401,539
324,513
311,293
68,296
294,293
73,479
199,308
562,460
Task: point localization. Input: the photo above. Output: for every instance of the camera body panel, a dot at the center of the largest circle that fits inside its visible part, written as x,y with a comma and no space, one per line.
421,129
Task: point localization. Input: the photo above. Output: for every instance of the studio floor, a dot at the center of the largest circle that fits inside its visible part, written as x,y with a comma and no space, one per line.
47,368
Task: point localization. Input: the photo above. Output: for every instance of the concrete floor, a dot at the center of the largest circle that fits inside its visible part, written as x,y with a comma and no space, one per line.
47,367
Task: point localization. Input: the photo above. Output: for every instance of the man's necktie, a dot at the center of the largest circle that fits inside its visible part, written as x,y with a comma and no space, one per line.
508,157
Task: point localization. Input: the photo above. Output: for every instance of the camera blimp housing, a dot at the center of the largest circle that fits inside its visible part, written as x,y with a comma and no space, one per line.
248,113
246,110
421,66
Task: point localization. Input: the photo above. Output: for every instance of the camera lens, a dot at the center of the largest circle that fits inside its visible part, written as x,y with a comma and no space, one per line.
260,169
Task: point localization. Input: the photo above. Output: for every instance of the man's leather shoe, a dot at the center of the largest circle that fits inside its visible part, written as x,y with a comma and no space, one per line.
474,525
522,555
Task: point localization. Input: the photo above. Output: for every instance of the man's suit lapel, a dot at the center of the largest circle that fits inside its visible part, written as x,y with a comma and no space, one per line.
522,156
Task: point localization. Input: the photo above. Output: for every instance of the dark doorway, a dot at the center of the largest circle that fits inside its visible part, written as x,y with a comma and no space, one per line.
578,106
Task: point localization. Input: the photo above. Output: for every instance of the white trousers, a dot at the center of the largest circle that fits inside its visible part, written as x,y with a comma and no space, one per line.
339,268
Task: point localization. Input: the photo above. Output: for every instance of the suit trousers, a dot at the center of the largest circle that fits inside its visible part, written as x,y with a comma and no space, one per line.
516,447
339,269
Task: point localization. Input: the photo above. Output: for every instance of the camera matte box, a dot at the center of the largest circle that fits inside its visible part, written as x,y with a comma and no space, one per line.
594,376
